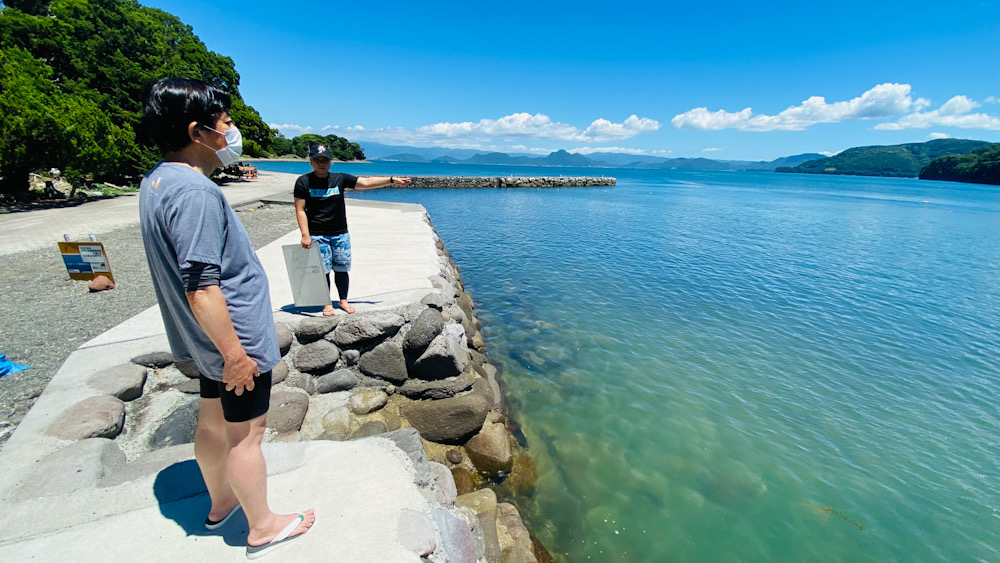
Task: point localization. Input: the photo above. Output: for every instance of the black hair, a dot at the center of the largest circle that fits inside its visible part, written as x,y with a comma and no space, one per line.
173,103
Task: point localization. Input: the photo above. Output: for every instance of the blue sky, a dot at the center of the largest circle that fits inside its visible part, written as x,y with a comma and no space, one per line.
725,80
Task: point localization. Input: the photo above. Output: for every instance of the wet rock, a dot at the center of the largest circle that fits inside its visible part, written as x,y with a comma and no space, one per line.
279,372
317,357
416,533
424,330
482,387
124,381
448,420
188,368
483,501
445,356
509,522
100,283
385,361
77,466
477,343
102,416
315,328
284,337
287,410
442,389
453,456
368,400
178,427
463,480
490,450
154,359
370,428
359,330
340,380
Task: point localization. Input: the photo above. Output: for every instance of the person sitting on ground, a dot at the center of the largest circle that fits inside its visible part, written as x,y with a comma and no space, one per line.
321,214
214,300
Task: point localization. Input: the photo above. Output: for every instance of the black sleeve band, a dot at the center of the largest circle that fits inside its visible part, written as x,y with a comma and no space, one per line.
200,276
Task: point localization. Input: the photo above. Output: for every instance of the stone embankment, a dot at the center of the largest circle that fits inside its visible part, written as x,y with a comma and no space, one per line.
510,181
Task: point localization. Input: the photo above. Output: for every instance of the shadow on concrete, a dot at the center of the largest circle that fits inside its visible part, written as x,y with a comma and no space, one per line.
183,498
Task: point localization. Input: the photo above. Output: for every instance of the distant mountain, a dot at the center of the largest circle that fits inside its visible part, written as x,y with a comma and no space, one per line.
893,160
981,166
379,151
406,157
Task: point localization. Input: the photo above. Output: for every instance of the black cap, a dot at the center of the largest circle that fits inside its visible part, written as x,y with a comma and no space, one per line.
320,151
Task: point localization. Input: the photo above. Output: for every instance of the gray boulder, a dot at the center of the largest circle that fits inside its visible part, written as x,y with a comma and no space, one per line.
77,466
434,299
124,381
154,359
287,410
363,329
490,450
317,357
189,387
368,429
284,337
448,420
315,328
178,427
408,440
188,368
279,372
302,381
340,380
445,356
440,389
424,330
351,357
102,416
385,361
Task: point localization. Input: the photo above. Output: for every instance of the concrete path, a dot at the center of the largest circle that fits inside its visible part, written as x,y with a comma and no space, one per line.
153,508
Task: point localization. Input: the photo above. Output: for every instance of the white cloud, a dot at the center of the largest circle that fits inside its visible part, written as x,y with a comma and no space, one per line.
882,101
642,152
935,136
956,112
993,100
711,149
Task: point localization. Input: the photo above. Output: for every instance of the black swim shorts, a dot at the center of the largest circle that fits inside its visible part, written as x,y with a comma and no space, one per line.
239,408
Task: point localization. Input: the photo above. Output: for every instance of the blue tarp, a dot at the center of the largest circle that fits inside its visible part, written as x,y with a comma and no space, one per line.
8,367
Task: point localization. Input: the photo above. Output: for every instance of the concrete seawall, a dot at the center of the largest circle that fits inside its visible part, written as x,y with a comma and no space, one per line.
510,181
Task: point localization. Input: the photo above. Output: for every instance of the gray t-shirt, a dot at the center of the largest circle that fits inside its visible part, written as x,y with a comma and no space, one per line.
185,219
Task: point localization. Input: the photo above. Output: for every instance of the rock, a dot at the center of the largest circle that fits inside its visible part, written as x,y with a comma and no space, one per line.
124,381
370,428
483,501
464,300
284,337
302,381
427,326
385,361
102,416
408,440
154,359
491,540
482,387
445,356
351,357
100,283
445,492
453,456
494,416
477,358
189,387
362,329
490,450
456,313
77,466
415,532
315,328
317,357
340,380
517,554
509,521
448,387
434,299
439,282
448,420
338,421
287,410
279,372
178,427
368,400
523,477
463,480
188,368
477,342
456,537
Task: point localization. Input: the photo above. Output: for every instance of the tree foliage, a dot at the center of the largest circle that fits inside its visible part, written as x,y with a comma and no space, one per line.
73,76
894,160
981,166
340,148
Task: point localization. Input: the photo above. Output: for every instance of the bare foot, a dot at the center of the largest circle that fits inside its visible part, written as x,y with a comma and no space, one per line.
219,512
346,307
278,523
329,311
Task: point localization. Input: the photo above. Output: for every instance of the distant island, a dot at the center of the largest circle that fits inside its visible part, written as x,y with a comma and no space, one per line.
904,161
981,166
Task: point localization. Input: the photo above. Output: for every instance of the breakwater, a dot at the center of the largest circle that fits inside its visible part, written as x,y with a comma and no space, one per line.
510,181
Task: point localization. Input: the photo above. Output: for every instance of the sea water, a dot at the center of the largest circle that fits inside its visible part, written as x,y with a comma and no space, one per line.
741,366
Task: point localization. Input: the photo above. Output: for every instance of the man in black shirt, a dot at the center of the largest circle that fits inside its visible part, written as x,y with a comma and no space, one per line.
321,215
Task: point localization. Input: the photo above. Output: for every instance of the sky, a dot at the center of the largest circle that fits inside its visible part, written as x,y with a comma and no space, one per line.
724,80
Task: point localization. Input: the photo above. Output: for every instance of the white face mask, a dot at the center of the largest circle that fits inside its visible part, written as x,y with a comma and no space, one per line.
234,146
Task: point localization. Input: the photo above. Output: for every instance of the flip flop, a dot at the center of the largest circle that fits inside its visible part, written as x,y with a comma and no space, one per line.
255,551
216,524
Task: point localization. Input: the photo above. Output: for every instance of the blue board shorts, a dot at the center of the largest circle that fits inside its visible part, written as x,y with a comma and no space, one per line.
334,251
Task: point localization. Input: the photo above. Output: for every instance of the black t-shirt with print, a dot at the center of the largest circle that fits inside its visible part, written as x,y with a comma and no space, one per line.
324,198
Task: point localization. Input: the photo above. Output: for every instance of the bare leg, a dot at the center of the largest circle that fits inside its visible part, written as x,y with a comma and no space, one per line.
248,477
328,310
211,451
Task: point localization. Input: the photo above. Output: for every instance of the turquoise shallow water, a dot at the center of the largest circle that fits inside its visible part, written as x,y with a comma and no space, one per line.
742,366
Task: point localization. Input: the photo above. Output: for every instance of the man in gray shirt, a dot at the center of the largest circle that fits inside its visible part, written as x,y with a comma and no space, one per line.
214,299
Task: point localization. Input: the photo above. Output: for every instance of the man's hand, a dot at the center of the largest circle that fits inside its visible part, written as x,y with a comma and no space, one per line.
306,241
238,372
402,181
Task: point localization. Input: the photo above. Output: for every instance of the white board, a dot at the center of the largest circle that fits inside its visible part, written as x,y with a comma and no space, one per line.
305,272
